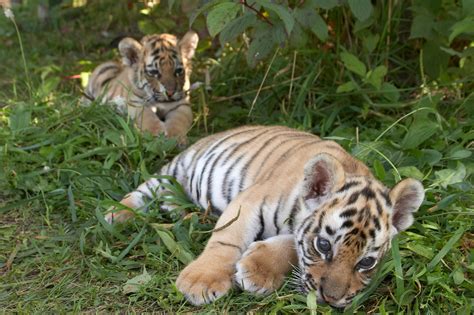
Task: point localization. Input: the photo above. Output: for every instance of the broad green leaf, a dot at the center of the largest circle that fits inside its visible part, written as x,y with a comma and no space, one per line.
375,77
204,8
390,92
411,171
370,42
260,47
310,19
320,28
422,26
419,131
421,250
324,4
431,156
458,276
19,118
459,154
282,12
451,176
311,302
220,15
236,27
379,170
352,63
175,248
133,285
346,87
464,26
362,9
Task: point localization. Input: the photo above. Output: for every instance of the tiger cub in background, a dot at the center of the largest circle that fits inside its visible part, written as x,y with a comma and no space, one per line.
150,84
296,200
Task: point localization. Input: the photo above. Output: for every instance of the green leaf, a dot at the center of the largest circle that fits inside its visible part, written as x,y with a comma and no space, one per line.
450,176
362,9
370,42
346,87
311,302
352,63
220,15
282,12
458,276
310,19
446,248
464,26
175,248
411,171
260,47
419,131
19,118
134,284
236,27
204,8
379,170
422,26
320,28
375,77
459,154
390,92
324,4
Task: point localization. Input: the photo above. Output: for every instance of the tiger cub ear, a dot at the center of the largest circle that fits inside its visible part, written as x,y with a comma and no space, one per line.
323,174
130,50
406,198
188,44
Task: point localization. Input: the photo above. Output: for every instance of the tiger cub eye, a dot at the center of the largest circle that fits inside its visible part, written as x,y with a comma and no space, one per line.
323,245
366,263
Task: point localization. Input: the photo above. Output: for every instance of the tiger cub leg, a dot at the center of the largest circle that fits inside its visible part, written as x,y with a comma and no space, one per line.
178,122
146,120
210,276
135,200
265,264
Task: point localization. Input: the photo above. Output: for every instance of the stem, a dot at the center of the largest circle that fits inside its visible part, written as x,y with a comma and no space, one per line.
259,14
28,80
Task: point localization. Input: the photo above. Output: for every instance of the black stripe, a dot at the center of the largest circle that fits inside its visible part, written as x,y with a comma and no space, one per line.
210,178
229,170
105,69
295,209
329,230
230,245
386,196
376,223
368,193
262,223
104,83
378,206
348,213
275,216
347,224
347,186
353,198
201,176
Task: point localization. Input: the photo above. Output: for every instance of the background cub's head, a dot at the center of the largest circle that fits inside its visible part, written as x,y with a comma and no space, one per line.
162,64
352,221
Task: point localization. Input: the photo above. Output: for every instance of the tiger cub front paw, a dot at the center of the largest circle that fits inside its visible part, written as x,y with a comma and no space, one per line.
257,271
205,280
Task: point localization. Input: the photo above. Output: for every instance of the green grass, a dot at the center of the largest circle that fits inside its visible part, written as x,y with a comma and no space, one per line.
63,165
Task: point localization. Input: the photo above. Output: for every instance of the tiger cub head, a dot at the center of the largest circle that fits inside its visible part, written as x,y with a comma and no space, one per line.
351,222
161,64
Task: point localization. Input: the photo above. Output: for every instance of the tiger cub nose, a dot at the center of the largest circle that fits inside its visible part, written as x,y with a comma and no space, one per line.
169,93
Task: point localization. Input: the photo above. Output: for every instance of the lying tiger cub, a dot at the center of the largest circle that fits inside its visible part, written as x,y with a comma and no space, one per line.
153,76
295,199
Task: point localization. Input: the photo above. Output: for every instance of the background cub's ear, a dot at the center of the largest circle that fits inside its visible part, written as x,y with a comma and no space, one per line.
130,51
188,44
406,198
322,175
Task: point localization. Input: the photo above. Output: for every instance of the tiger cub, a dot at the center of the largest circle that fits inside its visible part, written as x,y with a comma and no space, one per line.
150,84
295,200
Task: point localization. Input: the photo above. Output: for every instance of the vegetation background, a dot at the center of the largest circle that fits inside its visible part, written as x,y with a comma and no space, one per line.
389,80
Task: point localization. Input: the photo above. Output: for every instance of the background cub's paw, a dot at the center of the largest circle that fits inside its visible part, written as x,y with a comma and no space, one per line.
256,270
118,216
203,282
